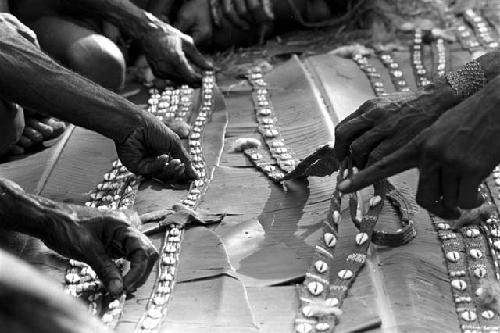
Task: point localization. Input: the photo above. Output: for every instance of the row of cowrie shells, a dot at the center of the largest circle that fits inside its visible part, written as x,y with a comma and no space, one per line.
371,73
481,28
186,96
151,320
267,123
81,278
440,57
417,61
465,35
156,309
195,149
316,285
493,223
164,105
395,71
462,297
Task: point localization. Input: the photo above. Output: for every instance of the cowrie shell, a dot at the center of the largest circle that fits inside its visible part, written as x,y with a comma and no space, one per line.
468,315
453,256
488,314
336,216
315,288
307,311
303,328
330,239
443,226
333,301
322,327
459,284
345,274
476,254
471,233
480,272
321,266
361,238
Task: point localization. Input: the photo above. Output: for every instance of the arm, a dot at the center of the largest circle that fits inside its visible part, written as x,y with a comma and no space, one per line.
122,13
85,234
383,125
32,79
170,53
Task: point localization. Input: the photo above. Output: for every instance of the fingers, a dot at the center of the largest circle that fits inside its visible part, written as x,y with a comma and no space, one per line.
45,130
346,133
241,8
399,161
198,28
215,13
186,72
468,195
259,13
162,167
229,11
106,270
196,57
362,147
178,151
142,255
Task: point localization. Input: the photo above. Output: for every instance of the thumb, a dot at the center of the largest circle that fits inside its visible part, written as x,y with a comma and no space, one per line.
403,159
107,271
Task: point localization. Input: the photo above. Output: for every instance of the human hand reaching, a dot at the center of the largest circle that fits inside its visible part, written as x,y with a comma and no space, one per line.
453,156
155,150
171,53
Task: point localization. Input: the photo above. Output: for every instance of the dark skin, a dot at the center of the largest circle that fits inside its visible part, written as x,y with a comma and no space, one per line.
144,144
407,122
453,156
226,23
170,53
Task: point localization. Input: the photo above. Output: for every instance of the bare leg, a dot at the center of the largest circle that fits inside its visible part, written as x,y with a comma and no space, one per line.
79,47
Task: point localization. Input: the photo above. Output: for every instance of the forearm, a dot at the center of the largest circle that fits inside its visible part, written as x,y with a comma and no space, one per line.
21,212
32,79
122,13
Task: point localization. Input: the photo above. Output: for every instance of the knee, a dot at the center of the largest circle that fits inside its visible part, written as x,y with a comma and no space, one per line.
99,59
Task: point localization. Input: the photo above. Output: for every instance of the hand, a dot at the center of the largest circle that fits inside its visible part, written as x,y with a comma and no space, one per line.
453,155
98,236
242,13
382,125
169,53
194,19
37,304
155,150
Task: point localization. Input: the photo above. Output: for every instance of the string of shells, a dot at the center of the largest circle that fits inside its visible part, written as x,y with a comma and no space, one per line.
465,35
116,191
417,56
395,72
270,131
440,54
481,29
169,257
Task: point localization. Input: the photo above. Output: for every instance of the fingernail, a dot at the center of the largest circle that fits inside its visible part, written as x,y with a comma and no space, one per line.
115,287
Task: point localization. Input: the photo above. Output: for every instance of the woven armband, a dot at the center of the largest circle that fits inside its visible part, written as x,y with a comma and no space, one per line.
467,80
